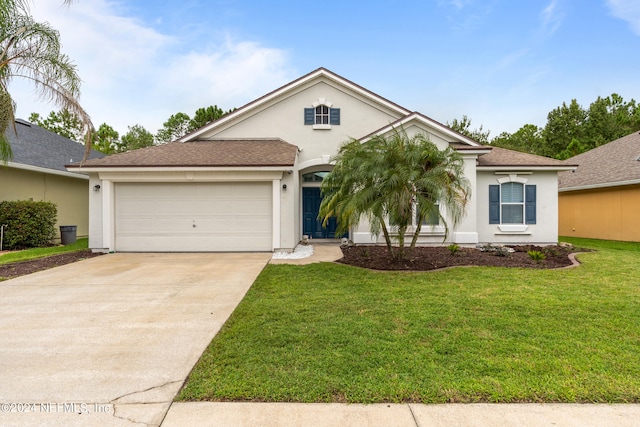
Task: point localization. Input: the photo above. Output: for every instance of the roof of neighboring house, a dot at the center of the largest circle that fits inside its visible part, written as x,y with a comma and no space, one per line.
615,163
36,146
221,153
502,157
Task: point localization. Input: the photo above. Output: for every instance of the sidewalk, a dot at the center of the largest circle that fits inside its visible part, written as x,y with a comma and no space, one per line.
241,414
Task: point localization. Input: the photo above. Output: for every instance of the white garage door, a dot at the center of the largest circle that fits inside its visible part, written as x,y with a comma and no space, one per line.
193,217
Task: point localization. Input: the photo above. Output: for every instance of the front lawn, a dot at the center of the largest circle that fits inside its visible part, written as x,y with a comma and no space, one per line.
35,253
334,333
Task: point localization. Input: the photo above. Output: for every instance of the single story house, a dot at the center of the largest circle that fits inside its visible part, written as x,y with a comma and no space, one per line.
37,172
250,181
601,199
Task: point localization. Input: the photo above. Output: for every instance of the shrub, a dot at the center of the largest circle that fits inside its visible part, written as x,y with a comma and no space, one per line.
28,224
537,256
453,248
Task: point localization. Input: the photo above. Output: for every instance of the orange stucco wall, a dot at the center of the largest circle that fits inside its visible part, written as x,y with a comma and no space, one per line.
607,213
71,195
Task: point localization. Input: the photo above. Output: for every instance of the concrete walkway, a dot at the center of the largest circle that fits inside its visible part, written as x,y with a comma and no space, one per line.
109,341
327,251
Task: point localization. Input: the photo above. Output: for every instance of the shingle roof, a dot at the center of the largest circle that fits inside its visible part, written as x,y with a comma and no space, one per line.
36,146
230,153
615,162
504,157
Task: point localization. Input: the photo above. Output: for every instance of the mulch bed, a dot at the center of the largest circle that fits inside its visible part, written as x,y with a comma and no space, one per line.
432,258
9,271
372,257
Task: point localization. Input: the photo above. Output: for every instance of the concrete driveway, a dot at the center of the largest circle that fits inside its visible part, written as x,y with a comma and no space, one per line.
110,340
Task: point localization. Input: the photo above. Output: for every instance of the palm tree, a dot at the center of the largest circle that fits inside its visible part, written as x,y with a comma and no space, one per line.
31,50
392,180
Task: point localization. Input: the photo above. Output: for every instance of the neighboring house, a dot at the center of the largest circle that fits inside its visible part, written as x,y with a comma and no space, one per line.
250,181
601,199
37,172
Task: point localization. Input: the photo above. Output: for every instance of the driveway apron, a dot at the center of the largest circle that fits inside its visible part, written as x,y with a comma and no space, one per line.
110,340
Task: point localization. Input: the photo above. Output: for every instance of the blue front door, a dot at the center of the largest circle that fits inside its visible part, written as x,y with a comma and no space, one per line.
312,226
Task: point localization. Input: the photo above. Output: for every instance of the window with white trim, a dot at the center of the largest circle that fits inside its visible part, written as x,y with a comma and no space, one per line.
433,219
430,224
512,202
322,115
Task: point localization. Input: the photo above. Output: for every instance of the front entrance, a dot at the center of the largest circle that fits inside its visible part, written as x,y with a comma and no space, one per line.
312,226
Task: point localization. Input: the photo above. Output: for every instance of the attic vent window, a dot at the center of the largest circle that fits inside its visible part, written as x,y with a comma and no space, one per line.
322,115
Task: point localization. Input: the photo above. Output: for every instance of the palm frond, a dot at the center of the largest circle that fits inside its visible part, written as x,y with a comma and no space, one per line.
31,50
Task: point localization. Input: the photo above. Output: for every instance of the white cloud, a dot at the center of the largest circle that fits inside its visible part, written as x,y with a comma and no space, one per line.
225,75
627,10
135,74
551,18
108,48
457,4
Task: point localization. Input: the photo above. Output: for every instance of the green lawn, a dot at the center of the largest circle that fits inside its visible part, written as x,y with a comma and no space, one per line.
333,333
34,253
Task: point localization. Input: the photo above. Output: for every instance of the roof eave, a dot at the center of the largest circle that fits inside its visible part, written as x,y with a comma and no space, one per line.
184,168
476,151
462,139
76,175
525,168
600,185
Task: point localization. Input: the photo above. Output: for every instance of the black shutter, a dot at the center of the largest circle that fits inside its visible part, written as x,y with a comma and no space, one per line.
530,204
334,116
494,204
309,116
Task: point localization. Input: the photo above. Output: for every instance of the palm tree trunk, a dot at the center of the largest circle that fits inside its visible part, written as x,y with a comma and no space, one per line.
387,239
416,234
401,233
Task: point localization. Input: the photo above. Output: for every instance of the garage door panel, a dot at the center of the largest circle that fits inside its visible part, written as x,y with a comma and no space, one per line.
180,217
228,243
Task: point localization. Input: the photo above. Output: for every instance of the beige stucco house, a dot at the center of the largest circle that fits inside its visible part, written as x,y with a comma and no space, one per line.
601,199
250,180
37,172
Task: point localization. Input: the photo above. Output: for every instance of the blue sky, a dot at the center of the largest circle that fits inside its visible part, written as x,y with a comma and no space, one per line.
503,63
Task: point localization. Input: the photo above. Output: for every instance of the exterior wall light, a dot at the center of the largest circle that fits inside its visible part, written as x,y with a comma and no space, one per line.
96,187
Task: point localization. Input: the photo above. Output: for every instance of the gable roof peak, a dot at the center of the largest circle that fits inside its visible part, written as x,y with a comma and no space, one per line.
291,86
434,124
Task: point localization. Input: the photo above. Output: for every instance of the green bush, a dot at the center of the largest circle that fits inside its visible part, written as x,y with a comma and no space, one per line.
453,248
537,256
28,224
